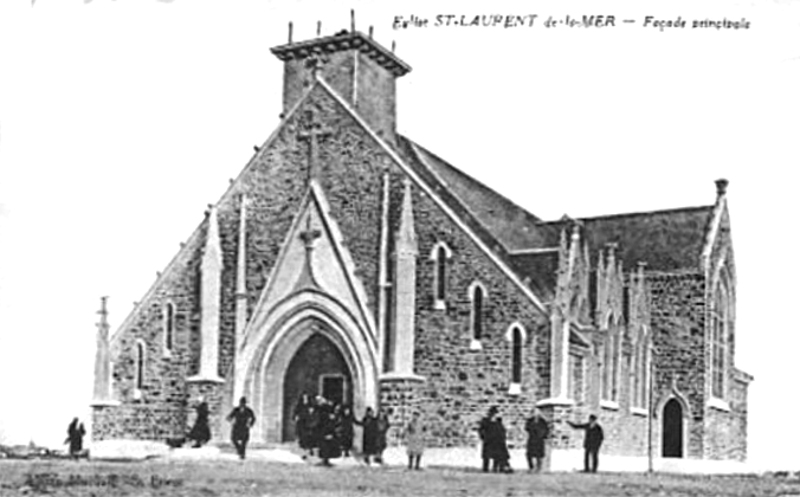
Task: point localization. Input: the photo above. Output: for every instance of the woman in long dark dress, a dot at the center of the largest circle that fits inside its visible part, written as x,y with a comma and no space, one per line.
304,418
328,443
200,432
501,454
383,428
75,433
370,437
346,421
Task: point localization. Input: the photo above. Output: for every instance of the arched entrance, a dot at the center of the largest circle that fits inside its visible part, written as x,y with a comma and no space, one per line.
317,368
672,429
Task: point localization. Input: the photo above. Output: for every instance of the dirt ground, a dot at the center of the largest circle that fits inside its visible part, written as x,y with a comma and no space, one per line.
262,479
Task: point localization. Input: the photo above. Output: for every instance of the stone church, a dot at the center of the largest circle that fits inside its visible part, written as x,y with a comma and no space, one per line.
347,260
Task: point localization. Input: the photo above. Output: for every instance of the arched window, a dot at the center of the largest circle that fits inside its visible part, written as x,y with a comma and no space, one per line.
140,362
169,327
477,311
516,355
440,254
719,324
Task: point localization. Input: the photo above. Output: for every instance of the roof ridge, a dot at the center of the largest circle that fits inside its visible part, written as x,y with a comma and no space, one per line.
630,214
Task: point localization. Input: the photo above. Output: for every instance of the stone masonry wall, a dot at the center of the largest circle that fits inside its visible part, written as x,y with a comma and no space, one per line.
678,314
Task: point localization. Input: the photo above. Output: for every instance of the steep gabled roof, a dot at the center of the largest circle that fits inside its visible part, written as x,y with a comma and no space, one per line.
508,223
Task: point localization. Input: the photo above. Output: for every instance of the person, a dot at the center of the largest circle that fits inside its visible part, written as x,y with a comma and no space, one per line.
415,441
537,429
305,424
327,424
200,432
501,454
591,443
75,433
383,428
486,434
369,424
346,421
243,419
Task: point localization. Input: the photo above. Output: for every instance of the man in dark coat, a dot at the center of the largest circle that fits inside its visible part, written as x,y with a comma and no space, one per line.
591,443
500,451
537,429
75,433
243,418
488,435
200,433
370,436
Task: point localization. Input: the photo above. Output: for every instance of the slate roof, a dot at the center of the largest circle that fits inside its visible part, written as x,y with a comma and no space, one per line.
667,240
508,223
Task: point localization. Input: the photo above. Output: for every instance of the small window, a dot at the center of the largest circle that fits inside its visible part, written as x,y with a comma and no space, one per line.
516,356
169,327
477,312
139,379
441,273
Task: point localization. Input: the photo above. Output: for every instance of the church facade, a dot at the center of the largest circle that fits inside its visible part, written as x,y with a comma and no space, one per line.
348,261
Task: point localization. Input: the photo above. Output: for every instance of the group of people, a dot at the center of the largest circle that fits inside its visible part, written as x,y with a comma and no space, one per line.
495,449
328,429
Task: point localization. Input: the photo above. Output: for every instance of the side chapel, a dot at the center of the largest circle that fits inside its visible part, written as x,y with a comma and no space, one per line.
349,261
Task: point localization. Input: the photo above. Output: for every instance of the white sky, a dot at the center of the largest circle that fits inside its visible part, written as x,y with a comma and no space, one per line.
121,120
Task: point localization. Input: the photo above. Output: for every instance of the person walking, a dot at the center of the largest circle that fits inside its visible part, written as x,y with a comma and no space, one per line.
415,440
537,429
591,443
243,419
75,433
200,432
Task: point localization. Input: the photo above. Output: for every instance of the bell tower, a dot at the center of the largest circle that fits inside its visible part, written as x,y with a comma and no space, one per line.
360,70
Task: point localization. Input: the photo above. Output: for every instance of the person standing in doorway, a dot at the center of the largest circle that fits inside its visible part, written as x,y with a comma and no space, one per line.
537,429
243,419
591,443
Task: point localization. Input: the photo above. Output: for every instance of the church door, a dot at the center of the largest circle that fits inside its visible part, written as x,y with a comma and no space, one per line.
672,429
318,368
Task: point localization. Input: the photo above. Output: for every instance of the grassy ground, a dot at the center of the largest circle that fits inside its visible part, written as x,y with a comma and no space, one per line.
258,478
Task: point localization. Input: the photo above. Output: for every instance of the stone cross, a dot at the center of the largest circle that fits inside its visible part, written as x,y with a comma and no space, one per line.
312,131
308,236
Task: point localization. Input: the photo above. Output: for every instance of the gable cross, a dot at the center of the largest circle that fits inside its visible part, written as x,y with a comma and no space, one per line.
308,236
312,131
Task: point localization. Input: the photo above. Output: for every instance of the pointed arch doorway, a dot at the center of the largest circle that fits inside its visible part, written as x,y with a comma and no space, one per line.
317,368
672,429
